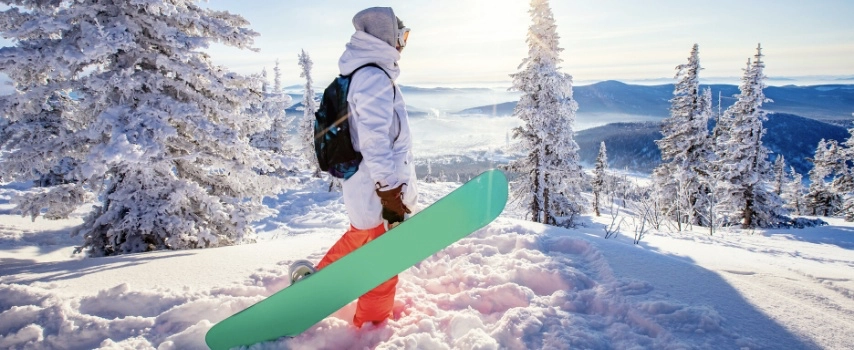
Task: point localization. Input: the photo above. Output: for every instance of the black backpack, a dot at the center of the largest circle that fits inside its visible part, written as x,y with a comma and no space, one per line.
332,143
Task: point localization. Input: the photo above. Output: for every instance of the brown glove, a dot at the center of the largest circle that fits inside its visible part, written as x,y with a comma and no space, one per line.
393,207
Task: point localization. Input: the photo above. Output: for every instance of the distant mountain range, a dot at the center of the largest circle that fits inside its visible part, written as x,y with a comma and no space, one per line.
824,102
800,117
632,145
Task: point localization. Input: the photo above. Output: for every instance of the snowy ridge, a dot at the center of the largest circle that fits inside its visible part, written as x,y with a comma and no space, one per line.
504,287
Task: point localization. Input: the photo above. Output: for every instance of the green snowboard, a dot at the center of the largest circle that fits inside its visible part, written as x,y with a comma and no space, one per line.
294,309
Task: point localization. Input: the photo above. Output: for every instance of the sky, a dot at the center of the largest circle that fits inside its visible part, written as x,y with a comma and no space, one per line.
459,42
477,42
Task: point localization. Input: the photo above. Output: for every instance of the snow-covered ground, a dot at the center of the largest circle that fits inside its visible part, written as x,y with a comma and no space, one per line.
511,285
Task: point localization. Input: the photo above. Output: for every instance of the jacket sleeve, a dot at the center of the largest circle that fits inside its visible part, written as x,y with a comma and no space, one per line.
372,104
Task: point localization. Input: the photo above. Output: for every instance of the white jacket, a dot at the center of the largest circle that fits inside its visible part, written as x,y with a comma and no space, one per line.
379,127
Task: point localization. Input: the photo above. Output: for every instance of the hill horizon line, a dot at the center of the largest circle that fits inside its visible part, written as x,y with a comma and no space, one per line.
805,80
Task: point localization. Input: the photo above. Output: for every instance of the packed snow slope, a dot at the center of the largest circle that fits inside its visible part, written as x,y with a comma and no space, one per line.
511,285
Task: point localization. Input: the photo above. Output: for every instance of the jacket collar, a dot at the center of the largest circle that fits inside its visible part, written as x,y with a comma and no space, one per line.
364,48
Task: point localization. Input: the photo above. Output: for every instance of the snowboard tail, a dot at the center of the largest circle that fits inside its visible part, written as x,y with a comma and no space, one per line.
296,308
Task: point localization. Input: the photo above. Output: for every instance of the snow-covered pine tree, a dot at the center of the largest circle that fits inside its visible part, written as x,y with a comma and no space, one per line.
820,199
121,99
277,78
36,141
257,110
685,146
745,192
277,104
428,178
705,168
551,177
779,174
843,182
271,117
714,177
306,124
265,82
599,178
793,193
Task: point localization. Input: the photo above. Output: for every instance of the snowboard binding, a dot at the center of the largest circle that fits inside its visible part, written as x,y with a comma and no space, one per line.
300,270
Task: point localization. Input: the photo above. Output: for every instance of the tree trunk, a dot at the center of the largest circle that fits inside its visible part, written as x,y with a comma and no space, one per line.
535,204
547,214
748,209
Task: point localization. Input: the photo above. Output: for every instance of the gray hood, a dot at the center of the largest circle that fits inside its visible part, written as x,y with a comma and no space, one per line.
364,48
379,22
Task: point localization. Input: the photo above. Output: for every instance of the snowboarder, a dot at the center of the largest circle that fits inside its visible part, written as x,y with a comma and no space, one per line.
379,195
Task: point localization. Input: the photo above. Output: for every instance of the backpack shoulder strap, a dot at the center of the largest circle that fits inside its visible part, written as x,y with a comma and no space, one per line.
378,67
369,65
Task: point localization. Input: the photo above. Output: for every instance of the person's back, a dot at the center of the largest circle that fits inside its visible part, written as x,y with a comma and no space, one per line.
383,189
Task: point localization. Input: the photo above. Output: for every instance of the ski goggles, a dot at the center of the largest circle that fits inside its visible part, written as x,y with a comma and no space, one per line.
402,37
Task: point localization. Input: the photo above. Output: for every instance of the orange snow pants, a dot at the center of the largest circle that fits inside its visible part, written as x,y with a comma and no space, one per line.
376,305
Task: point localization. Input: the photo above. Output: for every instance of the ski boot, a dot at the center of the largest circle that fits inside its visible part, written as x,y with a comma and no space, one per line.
301,269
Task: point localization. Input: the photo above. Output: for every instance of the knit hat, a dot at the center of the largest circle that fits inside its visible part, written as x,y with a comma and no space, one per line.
379,22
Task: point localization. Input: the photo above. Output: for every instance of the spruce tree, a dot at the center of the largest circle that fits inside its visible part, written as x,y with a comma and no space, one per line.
704,167
779,174
818,194
306,124
550,175
793,193
745,193
119,102
825,197
841,160
277,78
277,104
265,83
271,117
599,177
685,146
